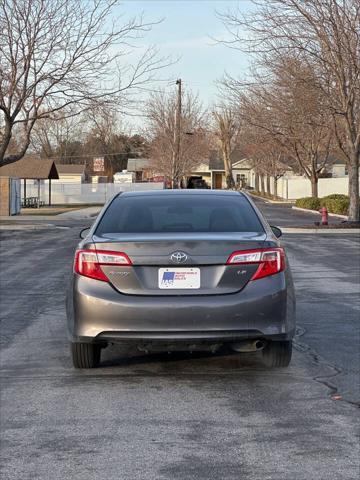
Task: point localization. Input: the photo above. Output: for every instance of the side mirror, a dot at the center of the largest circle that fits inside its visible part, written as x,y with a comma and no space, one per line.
276,231
84,232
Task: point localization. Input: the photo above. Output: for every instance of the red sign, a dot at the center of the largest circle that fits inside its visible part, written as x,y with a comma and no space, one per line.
98,164
158,178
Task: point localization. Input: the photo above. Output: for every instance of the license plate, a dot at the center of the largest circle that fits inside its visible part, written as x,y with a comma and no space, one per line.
179,278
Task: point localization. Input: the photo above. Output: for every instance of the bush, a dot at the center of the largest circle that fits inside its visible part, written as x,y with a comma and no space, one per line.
336,203
336,196
311,203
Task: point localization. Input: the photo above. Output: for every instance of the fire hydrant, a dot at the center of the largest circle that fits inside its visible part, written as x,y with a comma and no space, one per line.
324,216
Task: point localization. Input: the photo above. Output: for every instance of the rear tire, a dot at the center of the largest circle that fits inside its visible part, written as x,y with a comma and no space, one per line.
85,355
277,354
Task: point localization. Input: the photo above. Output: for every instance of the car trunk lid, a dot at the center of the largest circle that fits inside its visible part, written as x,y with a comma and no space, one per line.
155,257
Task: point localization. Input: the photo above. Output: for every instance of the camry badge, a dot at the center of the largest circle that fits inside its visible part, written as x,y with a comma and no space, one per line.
178,257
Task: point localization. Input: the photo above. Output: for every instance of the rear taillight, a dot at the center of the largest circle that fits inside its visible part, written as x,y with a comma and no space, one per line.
270,260
88,262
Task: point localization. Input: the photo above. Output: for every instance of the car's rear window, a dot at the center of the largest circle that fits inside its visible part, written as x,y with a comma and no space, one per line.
175,213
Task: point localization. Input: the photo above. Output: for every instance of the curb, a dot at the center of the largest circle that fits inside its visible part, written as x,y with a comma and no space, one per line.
81,214
8,226
27,218
268,200
345,217
320,231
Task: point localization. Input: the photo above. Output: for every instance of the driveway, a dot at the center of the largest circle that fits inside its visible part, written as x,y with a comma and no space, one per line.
178,416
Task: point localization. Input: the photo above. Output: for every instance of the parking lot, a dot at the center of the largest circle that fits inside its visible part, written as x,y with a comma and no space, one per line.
179,416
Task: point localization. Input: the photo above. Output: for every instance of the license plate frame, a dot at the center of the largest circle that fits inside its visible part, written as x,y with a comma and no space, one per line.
179,278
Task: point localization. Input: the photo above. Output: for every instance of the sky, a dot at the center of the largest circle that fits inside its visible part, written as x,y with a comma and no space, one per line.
187,30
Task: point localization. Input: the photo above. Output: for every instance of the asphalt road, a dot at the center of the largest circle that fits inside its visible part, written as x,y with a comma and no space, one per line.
197,417
285,216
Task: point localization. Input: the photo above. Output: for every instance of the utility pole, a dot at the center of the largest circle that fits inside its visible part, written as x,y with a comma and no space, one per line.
177,135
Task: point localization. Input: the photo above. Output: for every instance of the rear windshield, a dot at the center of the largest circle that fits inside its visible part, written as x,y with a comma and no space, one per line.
175,213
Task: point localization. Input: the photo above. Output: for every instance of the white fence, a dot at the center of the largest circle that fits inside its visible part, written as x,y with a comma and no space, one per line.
293,188
297,187
87,193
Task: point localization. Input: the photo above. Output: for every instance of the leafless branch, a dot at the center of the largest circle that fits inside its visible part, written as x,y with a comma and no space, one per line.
59,57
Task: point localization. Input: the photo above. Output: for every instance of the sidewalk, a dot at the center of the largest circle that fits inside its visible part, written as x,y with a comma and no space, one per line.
82,213
269,200
320,231
89,212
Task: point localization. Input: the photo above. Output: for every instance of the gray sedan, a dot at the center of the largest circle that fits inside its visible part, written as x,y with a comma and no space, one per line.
181,270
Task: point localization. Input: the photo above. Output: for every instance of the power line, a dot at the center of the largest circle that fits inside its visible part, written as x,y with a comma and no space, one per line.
97,155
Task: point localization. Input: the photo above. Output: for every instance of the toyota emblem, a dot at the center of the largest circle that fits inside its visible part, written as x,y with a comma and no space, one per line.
178,257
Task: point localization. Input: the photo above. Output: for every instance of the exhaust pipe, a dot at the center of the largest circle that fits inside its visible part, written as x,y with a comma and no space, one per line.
248,346
259,344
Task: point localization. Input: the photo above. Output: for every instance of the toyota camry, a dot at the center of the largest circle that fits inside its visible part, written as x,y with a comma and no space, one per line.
181,270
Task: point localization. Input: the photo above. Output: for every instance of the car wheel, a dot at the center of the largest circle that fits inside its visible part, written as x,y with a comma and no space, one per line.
85,355
277,354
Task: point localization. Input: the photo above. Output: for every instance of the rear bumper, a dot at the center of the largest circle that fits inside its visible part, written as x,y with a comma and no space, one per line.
187,340
263,309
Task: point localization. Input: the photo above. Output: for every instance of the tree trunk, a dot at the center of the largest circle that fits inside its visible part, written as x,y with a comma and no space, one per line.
354,214
230,180
5,141
268,186
314,187
228,166
23,149
275,186
175,183
262,184
256,182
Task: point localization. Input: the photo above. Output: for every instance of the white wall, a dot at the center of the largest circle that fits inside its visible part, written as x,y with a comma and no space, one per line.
297,187
66,193
293,188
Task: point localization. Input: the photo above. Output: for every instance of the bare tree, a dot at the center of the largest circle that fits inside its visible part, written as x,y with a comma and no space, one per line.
226,130
265,154
325,34
54,136
61,56
194,147
289,108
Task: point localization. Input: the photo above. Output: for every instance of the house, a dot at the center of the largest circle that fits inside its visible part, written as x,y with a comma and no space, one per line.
241,169
242,172
141,167
338,169
71,173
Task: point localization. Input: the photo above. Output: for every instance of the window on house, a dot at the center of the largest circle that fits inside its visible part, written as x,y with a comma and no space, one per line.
241,179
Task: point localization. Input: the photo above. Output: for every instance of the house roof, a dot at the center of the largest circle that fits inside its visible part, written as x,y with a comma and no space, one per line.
31,167
216,162
244,163
65,169
339,162
137,164
202,167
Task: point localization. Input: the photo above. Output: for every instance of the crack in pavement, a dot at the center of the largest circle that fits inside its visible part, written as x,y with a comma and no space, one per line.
319,361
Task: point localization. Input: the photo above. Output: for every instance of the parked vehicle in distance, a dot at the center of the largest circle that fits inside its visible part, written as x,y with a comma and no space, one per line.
181,270
124,177
197,182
